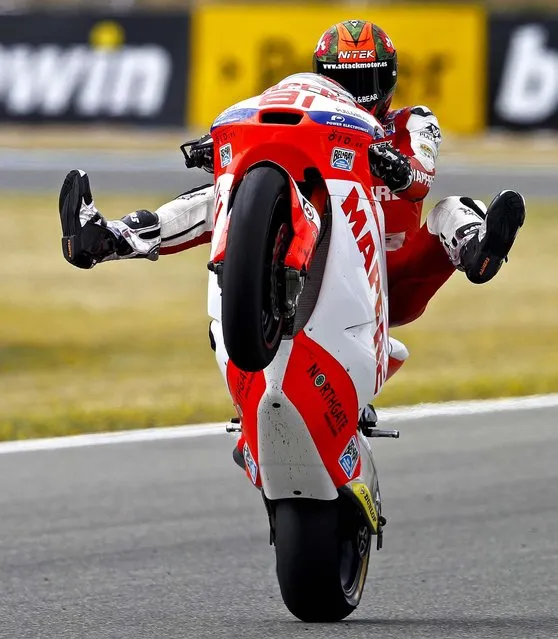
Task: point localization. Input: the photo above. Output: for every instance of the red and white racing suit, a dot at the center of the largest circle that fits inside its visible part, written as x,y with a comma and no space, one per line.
417,263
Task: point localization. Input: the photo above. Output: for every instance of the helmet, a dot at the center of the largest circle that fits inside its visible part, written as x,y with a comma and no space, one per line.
361,58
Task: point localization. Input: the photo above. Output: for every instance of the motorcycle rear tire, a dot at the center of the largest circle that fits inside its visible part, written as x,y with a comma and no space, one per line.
308,542
251,331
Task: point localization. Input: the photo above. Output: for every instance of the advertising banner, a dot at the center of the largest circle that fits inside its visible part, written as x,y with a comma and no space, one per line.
237,52
524,72
89,67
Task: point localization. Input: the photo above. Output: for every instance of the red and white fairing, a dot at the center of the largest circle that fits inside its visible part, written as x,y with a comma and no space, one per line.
299,415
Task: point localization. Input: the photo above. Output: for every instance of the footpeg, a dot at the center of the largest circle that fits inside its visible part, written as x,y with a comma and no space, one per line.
367,424
217,268
376,432
368,420
234,425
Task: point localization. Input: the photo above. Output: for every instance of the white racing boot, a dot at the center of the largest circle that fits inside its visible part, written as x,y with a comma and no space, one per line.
478,239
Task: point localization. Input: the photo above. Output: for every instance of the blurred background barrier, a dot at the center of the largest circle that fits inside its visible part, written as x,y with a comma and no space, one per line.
472,69
88,67
239,52
523,71
165,5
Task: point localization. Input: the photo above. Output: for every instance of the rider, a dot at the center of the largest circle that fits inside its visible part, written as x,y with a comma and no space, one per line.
361,58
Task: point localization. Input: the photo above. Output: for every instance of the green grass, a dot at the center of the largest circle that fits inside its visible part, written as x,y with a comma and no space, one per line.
125,345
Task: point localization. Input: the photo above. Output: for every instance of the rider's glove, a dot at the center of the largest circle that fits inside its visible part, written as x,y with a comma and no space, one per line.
201,153
391,166
88,238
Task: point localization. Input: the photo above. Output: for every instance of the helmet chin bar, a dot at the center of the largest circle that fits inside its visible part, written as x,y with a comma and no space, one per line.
359,56
380,108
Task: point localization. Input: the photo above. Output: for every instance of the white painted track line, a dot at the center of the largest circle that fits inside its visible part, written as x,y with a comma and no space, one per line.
403,413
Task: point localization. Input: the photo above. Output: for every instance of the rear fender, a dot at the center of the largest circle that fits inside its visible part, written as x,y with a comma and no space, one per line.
306,226
305,222
223,199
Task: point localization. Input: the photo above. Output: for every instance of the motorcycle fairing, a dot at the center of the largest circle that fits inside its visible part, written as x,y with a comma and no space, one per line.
294,450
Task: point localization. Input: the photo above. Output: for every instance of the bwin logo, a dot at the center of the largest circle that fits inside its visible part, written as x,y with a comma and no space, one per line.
105,78
529,89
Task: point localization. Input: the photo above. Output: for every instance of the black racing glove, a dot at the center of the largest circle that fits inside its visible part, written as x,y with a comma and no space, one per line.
391,166
200,154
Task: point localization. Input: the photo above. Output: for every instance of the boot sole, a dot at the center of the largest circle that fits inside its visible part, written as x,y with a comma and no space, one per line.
502,226
69,204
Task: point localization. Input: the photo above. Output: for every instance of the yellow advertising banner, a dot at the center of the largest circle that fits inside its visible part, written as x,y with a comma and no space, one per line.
240,50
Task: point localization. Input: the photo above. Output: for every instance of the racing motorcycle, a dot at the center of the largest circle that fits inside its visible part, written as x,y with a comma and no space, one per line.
298,301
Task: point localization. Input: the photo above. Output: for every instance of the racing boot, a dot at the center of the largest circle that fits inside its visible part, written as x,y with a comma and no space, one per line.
89,239
477,239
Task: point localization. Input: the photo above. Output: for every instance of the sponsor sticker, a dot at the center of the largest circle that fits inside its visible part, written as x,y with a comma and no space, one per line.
343,138
367,98
350,122
432,133
250,464
335,416
360,55
383,194
342,159
233,115
308,211
422,178
224,135
225,153
320,380
362,493
349,457
426,150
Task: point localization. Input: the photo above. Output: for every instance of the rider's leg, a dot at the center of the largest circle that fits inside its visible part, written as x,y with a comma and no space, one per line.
187,221
478,240
475,239
415,272
89,239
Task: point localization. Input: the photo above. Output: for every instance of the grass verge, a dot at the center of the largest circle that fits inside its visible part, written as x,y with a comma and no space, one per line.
125,345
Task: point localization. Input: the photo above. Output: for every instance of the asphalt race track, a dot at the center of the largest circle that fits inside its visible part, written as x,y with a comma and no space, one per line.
167,539
164,172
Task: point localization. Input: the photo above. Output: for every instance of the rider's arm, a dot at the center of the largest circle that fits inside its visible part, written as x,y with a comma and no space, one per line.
406,163
422,138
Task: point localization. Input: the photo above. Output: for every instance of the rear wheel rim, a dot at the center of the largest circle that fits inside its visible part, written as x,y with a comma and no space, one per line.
354,554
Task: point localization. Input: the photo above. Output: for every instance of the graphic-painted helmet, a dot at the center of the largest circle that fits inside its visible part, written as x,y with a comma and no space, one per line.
361,58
